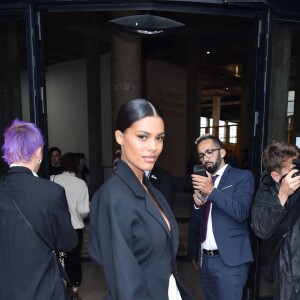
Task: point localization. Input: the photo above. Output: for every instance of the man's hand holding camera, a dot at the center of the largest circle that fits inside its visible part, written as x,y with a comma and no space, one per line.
203,186
288,185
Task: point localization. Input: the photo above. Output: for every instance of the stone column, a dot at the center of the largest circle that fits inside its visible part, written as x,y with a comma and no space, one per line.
94,112
281,51
193,97
126,67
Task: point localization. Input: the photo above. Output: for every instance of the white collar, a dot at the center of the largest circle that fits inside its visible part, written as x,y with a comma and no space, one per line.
221,171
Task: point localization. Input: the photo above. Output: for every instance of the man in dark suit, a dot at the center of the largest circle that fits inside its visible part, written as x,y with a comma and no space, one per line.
55,157
33,212
162,180
222,205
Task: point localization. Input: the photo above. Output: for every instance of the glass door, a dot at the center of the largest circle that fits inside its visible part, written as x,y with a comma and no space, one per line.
284,104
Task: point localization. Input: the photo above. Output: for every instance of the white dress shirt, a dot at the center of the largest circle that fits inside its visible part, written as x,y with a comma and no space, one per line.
210,242
77,196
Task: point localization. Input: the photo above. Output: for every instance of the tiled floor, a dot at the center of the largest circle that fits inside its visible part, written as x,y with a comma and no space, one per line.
93,285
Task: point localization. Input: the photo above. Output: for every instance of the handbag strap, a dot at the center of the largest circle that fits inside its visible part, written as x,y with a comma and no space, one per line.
25,219
62,270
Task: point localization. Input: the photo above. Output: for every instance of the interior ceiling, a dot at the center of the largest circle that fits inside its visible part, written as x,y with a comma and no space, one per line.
227,39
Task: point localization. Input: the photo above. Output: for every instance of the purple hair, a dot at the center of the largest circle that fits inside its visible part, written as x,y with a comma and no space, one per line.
21,140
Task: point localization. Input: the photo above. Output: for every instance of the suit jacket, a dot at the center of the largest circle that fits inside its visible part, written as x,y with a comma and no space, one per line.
130,239
231,205
53,170
28,269
162,180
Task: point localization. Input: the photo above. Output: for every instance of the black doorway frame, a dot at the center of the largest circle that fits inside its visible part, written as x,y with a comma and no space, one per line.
259,119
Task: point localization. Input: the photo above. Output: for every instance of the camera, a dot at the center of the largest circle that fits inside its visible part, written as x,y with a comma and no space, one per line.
297,167
200,170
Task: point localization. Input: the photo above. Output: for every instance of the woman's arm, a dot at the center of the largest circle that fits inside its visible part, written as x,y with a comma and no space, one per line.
111,244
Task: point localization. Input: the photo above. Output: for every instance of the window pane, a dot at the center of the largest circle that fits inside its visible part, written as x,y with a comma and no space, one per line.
233,134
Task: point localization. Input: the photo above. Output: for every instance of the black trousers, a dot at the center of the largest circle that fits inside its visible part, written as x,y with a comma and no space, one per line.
73,261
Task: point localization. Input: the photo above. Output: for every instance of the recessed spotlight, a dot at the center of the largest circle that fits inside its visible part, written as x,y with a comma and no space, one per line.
207,52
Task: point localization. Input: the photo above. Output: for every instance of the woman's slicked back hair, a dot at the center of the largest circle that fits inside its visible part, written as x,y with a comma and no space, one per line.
135,110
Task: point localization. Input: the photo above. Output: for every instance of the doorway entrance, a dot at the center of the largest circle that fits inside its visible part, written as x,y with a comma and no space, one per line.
201,75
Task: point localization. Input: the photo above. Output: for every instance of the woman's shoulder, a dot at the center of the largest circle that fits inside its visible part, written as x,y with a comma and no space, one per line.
113,185
113,191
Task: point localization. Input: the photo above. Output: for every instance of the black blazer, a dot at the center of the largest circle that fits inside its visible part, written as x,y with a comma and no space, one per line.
162,180
130,239
27,266
231,205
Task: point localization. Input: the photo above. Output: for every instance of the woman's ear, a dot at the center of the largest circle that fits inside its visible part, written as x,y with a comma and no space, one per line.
275,176
119,137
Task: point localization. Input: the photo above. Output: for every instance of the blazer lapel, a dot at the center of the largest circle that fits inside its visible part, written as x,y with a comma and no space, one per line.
124,172
153,209
224,177
127,175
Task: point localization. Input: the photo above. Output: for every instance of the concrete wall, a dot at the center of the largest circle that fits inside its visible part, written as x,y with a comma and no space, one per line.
166,87
67,109
66,106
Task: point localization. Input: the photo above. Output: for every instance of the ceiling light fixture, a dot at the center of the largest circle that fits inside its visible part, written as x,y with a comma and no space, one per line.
146,25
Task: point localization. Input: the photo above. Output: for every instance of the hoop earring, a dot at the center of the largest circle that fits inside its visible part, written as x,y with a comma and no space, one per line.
38,161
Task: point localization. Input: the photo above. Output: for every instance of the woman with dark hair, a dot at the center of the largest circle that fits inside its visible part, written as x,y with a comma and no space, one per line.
134,234
78,203
34,220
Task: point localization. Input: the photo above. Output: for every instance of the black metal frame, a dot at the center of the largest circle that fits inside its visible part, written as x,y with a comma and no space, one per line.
260,123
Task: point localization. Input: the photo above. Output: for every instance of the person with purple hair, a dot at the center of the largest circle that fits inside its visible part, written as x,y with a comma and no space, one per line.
33,212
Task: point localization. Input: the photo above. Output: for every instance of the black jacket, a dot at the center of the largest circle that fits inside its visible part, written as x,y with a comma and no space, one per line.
162,180
266,216
27,266
131,240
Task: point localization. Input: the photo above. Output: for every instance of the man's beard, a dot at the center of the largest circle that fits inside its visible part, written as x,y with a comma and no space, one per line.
215,166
